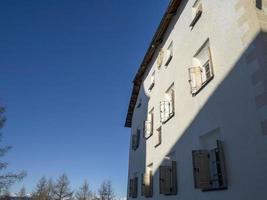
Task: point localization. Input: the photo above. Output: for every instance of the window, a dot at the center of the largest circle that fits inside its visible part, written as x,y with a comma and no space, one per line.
152,81
133,187
168,179
209,168
148,124
168,55
202,72
147,184
196,12
139,103
160,58
158,139
167,105
136,139
259,4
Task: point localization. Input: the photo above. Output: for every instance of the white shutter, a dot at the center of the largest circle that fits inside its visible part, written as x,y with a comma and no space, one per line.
162,110
160,58
166,110
195,79
148,128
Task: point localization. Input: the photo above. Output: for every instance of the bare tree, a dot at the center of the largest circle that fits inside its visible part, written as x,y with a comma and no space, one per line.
22,193
62,190
6,195
106,191
6,178
84,193
43,190
50,189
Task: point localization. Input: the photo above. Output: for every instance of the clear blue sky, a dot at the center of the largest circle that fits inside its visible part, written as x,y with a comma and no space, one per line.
66,77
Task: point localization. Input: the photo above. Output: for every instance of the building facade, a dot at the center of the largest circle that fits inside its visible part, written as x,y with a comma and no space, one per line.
198,109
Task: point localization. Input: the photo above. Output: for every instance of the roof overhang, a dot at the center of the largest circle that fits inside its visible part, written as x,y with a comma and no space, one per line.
157,39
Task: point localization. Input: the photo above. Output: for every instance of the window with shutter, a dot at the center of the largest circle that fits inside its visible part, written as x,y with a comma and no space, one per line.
152,81
148,124
196,12
167,106
202,73
136,139
195,79
169,54
147,184
168,179
201,169
160,58
258,4
209,169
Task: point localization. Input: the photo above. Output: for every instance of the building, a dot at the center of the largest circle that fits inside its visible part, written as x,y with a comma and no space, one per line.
198,109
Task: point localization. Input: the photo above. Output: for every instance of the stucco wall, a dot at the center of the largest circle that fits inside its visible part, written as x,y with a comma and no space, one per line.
226,109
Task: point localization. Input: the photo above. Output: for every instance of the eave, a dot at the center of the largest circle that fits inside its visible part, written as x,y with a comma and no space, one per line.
156,41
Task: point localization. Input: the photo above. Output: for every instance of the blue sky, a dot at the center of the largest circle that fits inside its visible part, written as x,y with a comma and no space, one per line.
66,78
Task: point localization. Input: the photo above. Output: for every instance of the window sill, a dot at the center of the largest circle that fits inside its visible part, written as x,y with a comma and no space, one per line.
157,145
171,116
148,136
214,189
202,86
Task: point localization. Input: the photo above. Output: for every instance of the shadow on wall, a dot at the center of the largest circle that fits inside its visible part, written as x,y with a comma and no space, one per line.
233,115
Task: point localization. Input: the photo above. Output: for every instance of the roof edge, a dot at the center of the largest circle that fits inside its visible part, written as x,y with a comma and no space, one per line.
156,41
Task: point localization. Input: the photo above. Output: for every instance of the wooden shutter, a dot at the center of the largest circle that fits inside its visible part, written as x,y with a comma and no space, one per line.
222,166
201,169
131,188
174,178
134,141
162,177
147,184
166,180
214,179
162,109
166,110
195,79
148,126
167,57
135,188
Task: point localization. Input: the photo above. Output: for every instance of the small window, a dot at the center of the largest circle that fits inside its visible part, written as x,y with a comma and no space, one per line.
169,54
133,187
136,139
167,105
209,168
202,72
168,179
152,81
147,184
160,58
259,4
159,137
139,103
196,12
148,124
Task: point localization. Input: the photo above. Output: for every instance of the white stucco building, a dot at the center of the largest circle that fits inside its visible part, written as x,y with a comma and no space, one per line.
198,110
